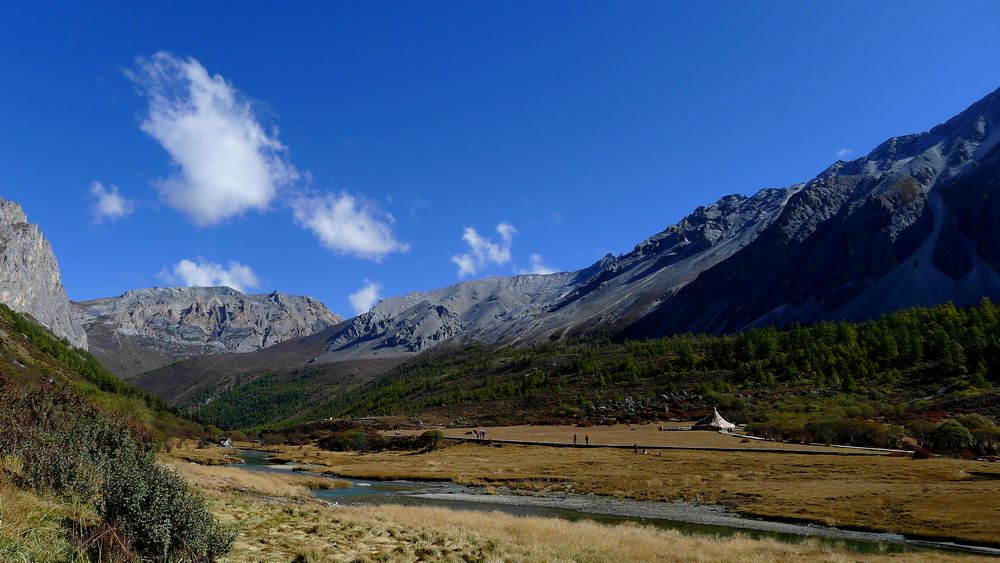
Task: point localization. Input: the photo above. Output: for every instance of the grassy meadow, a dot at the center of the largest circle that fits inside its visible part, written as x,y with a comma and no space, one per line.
934,498
278,522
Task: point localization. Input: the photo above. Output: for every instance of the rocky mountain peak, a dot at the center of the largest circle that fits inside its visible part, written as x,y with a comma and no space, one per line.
30,281
901,226
535,307
146,328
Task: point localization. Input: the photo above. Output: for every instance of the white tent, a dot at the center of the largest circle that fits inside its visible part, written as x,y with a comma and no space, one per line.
715,422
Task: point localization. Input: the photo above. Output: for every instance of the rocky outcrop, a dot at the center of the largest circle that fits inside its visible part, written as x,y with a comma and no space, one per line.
416,322
914,222
30,281
911,223
149,328
531,308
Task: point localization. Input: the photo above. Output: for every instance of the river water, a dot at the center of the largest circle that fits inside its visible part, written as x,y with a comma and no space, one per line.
684,517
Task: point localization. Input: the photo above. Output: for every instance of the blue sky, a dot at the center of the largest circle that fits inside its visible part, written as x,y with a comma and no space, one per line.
317,148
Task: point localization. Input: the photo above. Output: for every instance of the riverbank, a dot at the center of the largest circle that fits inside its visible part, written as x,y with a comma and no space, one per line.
939,499
275,527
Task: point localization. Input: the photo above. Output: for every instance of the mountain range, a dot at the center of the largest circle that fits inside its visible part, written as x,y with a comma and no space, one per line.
146,329
913,222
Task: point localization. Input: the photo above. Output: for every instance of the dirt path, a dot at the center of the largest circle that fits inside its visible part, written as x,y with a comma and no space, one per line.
643,436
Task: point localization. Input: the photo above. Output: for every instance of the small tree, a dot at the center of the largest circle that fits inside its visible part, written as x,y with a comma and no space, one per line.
433,439
951,437
921,431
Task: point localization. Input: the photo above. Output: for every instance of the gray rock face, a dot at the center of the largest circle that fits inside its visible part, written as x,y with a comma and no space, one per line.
413,323
148,328
911,223
529,308
29,276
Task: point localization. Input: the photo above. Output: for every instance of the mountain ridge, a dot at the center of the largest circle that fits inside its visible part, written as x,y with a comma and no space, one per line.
845,231
146,329
913,222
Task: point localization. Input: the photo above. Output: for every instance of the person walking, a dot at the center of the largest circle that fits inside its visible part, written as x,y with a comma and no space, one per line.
586,439
574,439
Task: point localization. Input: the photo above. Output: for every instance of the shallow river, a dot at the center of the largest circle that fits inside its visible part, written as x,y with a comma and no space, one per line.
684,517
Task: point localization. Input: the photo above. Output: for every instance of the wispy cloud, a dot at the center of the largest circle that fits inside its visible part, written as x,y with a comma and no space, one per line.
202,273
348,225
226,163
537,266
366,297
483,251
844,153
109,205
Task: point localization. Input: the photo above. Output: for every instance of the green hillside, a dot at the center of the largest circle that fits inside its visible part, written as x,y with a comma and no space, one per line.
30,354
78,474
915,365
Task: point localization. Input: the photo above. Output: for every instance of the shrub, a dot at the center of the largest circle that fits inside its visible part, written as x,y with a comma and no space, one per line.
951,437
68,446
159,517
353,440
432,439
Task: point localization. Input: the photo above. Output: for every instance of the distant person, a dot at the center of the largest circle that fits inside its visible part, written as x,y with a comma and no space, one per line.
587,439
635,447
574,439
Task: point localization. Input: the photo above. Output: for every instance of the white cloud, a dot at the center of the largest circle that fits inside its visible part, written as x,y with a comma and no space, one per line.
537,266
365,298
844,153
483,251
109,205
348,225
208,274
226,163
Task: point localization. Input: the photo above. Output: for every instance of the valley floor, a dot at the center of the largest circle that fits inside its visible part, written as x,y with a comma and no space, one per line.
280,519
291,526
946,499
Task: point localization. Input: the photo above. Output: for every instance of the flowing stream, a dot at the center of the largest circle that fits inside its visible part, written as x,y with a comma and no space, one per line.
684,517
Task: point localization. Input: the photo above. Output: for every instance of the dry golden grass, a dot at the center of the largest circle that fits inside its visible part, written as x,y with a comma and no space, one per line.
936,498
32,526
300,528
283,529
233,479
627,435
313,532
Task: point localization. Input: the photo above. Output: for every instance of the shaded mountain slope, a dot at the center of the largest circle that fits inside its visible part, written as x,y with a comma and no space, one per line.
198,380
863,238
